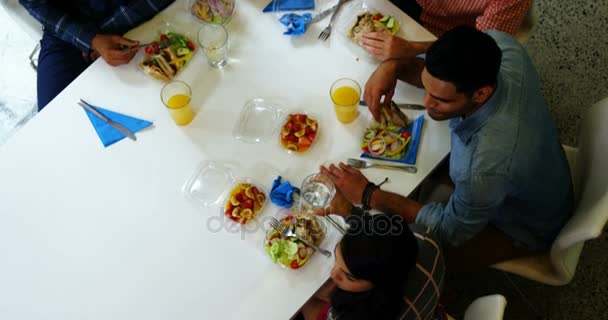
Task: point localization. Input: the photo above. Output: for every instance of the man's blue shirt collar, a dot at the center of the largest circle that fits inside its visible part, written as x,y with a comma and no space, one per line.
465,128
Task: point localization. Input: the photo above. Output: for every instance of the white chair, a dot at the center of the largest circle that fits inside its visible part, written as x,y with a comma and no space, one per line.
589,168
486,308
27,23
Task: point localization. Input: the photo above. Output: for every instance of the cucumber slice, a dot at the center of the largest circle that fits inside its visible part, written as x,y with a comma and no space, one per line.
384,19
391,23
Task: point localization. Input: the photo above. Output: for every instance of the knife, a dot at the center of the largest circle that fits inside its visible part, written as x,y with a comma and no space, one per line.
100,115
408,106
323,14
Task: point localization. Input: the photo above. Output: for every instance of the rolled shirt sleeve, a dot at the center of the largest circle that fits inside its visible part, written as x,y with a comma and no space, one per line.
503,15
472,205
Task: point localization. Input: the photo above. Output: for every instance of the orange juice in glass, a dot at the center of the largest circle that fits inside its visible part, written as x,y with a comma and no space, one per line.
176,97
345,94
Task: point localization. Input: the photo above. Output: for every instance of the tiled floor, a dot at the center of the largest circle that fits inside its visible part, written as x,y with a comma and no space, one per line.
570,50
18,79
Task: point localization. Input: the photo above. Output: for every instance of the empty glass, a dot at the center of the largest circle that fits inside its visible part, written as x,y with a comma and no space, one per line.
213,39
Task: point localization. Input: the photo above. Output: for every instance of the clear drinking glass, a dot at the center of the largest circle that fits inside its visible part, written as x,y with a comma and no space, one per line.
176,96
213,39
317,192
345,94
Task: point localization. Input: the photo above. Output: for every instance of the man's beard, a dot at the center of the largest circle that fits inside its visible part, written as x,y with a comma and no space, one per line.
441,116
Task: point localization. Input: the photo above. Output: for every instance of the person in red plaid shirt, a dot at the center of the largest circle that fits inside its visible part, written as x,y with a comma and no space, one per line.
439,16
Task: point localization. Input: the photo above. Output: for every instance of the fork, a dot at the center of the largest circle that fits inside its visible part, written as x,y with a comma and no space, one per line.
287,232
327,31
360,164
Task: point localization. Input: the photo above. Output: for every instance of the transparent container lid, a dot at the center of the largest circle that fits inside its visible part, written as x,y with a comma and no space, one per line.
209,184
258,121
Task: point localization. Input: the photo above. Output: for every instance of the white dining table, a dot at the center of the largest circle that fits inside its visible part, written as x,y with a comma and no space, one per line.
88,232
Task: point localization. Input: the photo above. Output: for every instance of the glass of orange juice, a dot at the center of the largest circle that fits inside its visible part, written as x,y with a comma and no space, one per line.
176,97
345,94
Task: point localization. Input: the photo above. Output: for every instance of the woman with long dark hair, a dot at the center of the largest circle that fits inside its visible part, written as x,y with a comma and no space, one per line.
372,263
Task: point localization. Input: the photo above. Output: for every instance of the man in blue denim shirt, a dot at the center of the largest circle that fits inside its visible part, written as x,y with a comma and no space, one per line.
513,191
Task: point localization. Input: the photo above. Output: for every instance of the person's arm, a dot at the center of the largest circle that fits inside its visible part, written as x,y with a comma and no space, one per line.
385,46
503,15
63,26
383,81
472,205
351,183
393,203
129,16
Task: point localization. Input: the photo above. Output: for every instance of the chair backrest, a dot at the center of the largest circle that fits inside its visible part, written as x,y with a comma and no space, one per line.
486,308
18,13
591,182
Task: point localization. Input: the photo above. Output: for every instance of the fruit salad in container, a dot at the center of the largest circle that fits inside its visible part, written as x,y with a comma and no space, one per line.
291,252
299,132
244,202
213,11
167,55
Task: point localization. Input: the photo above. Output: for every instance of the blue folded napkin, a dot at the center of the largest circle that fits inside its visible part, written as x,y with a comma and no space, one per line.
295,23
109,134
409,157
289,5
281,194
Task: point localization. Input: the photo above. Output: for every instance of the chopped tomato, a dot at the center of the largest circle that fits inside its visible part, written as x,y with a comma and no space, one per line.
248,204
155,48
289,125
378,16
190,44
291,138
300,117
163,37
304,142
366,149
230,208
297,126
309,130
406,135
294,264
311,137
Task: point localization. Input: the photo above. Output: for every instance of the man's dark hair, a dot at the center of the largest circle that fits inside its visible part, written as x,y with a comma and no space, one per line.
466,57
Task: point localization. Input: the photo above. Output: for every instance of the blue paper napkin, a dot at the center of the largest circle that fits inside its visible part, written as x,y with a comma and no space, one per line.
409,157
295,23
108,134
289,5
281,194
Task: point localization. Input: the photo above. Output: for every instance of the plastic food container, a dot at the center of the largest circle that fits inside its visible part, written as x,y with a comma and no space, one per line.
168,52
298,131
214,185
347,17
213,11
257,121
292,253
